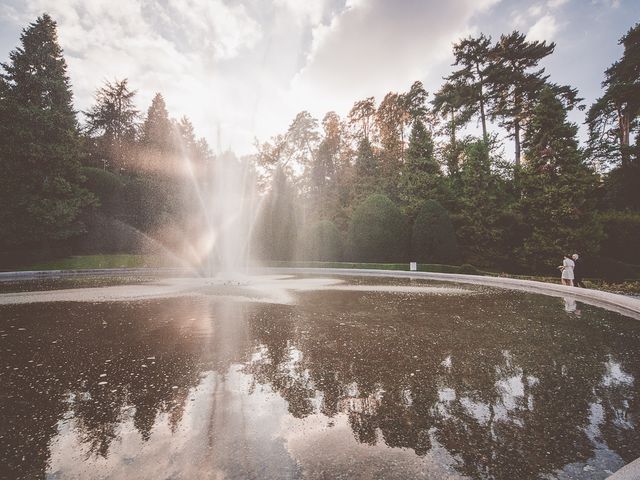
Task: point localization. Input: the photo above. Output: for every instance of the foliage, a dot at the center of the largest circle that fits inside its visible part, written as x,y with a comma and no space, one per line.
321,242
107,187
558,189
40,179
487,227
421,175
434,239
622,235
378,231
276,231
614,116
113,119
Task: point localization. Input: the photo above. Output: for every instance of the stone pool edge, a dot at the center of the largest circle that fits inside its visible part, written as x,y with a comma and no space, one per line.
628,306
622,304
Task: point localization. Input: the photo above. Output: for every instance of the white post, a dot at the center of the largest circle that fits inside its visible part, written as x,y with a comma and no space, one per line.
413,266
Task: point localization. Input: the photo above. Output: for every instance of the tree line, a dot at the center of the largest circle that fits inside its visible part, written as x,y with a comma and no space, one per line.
394,180
119,182
403,179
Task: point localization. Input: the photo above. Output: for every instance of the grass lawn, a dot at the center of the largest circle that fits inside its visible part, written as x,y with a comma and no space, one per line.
83,262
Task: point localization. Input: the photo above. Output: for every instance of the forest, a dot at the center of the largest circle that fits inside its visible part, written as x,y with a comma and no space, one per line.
399,178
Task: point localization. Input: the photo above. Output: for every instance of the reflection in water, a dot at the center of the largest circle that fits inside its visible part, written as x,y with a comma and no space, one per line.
341,384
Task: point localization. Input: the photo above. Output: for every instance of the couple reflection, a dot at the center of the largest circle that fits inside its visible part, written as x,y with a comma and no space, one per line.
571,306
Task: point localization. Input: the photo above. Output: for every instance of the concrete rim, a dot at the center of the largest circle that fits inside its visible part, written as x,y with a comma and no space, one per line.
622,304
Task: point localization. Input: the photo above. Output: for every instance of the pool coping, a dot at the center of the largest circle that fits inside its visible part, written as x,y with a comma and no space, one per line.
622,304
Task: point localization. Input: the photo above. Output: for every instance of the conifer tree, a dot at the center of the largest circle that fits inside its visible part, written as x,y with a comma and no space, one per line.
113,122
558,188
472,56
614,116
421,175
40,177
157,128
514,86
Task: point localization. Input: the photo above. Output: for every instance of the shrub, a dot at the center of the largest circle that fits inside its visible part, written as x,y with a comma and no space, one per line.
378,231
321,242
468,269
107,186
622,236
434,239
610,269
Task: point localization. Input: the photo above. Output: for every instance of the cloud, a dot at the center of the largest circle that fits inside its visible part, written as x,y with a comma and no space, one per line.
544,29
247,67
553,4
374,46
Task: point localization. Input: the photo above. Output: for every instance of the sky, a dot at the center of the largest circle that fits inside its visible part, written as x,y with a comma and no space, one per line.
242,69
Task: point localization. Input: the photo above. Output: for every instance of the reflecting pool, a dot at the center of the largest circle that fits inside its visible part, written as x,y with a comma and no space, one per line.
346,380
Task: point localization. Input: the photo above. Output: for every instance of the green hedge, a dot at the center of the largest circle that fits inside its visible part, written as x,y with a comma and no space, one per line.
321,242
434,239
378,231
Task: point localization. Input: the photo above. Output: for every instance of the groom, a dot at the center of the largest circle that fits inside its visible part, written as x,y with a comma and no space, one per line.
577,271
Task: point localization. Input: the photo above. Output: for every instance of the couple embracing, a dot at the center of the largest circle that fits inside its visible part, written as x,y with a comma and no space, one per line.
572,271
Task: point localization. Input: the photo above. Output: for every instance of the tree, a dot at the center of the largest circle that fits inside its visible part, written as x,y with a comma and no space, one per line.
322,242
378,231
361,118
40,177
276,232
421,176
390,118
113,119
157,128
473,57
487,228
324,166
450,104
513,85
434,239
614,116
558,188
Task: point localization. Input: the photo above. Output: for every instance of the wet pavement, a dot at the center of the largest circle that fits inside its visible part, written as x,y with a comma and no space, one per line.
337,382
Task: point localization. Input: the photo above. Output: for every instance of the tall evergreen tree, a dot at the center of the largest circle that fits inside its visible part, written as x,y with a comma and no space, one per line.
451,105
558,188
40,180
513,83
113,122
157,128
421,175
473,58
485,224
614,116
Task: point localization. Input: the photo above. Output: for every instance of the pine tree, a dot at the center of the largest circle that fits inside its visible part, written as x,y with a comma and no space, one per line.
113,121
486,226
473,57
40,179
614,116
421,175
514,86
157,128
558,188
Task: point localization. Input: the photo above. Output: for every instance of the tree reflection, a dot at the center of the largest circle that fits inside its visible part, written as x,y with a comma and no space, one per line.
508,393
510,386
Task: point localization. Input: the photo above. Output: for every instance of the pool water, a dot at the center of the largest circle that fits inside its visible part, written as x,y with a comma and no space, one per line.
347,380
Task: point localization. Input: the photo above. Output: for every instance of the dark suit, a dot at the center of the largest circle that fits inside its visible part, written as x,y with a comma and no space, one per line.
578,273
